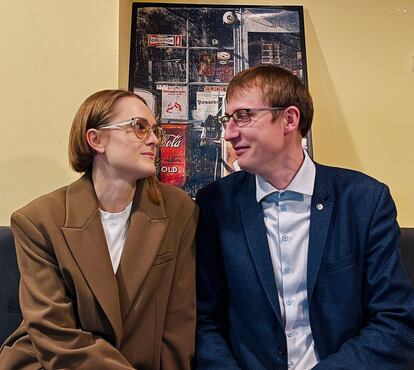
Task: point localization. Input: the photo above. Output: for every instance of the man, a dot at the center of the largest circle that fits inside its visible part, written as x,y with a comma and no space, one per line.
298,263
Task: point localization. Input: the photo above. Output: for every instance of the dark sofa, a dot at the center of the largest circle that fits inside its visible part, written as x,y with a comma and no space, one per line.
10,315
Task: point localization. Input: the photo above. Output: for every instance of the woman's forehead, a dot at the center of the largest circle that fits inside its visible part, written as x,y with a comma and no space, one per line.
129,107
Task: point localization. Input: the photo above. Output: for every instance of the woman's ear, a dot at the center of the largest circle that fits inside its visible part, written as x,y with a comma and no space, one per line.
95,140
292,117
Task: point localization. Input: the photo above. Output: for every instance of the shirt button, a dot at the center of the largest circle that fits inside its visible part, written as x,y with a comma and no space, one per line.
288,302
284,238
287,269
290,333
283,208
290,364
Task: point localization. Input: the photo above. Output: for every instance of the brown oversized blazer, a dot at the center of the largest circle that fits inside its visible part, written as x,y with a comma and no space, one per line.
77,314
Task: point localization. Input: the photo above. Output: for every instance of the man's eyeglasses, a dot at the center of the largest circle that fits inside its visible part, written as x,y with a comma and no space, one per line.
141,126
241,117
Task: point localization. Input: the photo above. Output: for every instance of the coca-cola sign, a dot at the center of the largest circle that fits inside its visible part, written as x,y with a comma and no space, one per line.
172,141
173,154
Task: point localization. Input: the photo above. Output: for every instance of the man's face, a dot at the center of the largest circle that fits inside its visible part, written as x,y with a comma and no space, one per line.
260,144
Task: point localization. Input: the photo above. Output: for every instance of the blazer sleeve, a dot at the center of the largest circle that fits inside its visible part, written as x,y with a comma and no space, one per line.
177,349
386,341
212,350
48,312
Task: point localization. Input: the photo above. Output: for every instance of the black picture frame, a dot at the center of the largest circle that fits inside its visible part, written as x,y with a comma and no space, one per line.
182,58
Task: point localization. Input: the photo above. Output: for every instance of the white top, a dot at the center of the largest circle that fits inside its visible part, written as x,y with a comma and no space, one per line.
115,226
287,227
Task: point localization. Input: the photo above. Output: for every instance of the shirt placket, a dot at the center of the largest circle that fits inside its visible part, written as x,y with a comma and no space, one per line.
287,278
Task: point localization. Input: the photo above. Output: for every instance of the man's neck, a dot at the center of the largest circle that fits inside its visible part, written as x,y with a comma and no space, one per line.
282,172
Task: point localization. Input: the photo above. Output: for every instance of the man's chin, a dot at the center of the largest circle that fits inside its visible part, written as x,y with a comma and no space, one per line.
248,167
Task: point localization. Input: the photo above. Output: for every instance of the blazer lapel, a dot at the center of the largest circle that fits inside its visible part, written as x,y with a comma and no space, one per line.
255,231
148,225
321,212
86,239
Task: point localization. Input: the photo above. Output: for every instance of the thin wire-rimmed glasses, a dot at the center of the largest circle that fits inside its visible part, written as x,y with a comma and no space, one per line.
241,117
141,126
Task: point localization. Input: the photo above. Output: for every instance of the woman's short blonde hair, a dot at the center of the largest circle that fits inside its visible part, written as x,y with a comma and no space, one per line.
95,112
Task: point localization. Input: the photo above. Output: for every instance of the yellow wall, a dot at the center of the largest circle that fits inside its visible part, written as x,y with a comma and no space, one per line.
54,53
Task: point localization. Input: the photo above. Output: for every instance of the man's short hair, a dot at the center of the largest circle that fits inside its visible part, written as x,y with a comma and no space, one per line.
279,88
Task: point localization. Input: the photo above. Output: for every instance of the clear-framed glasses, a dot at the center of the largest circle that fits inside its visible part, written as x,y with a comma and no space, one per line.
241,117
141,126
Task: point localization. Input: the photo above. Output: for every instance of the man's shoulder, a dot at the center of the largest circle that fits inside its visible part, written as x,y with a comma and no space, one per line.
228,186
345,175
348,184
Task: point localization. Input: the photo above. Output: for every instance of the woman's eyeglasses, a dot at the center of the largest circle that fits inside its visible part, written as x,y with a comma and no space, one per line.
141,126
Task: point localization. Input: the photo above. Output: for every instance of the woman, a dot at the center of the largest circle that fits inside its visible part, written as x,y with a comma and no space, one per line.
107,263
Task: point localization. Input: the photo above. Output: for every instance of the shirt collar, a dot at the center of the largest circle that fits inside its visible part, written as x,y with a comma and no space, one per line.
303,182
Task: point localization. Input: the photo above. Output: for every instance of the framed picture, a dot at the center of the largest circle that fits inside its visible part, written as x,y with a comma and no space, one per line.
182,59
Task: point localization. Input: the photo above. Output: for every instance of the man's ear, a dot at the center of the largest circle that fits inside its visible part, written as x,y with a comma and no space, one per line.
292,117
95,140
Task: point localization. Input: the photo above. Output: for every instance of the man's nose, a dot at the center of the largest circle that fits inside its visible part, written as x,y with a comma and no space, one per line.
231,131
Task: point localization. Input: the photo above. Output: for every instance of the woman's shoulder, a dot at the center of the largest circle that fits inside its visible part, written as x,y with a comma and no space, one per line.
47,206
174,197
55,202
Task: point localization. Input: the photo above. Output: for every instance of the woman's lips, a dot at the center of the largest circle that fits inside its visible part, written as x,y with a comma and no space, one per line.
149,155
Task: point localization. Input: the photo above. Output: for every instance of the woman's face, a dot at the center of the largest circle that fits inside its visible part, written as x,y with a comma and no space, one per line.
125,155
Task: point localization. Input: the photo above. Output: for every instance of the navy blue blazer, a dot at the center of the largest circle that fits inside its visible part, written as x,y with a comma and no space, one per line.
360,300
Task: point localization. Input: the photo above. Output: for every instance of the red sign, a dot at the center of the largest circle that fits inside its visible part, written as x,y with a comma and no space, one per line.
173,154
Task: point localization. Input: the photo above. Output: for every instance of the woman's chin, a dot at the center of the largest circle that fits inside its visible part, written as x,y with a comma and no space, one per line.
148,171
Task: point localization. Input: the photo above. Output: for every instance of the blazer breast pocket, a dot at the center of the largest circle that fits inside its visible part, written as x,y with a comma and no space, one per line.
341,264
164,258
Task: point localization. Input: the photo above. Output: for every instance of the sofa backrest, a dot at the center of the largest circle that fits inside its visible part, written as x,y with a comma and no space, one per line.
10,315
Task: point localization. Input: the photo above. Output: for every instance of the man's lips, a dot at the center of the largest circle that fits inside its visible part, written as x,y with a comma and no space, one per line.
239,150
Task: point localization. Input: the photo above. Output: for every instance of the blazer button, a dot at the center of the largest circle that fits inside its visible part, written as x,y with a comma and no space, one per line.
282,349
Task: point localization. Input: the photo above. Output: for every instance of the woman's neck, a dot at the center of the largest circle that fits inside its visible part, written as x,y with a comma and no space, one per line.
114,194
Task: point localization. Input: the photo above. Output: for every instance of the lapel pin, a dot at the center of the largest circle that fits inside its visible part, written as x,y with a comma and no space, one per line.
319,206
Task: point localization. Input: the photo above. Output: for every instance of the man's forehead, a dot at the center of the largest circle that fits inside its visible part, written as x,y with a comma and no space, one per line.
243,93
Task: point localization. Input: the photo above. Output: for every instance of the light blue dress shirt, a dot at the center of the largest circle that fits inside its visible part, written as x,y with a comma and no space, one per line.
287,222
